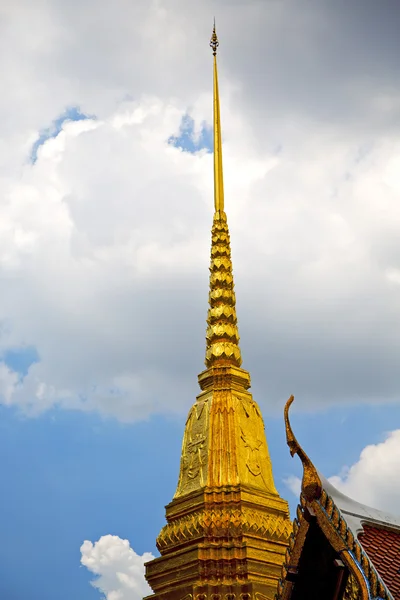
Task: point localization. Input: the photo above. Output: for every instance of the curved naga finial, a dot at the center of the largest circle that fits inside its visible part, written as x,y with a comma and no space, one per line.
311,486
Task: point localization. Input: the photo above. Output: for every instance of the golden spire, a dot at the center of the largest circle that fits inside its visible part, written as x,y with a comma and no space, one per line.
222,337
227,527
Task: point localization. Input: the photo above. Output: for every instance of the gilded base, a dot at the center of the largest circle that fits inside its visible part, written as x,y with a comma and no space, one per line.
220,543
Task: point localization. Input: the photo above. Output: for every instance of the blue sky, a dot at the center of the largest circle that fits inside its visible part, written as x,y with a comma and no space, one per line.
71,476
72,113
186,141
20,359
68,477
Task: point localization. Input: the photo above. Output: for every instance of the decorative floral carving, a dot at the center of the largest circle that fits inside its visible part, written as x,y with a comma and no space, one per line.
222,522
352,590
253,446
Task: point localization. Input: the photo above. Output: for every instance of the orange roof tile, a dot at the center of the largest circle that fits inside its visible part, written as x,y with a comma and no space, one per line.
383,548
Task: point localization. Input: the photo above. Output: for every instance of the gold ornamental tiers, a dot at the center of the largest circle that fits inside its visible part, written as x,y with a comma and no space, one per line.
227,528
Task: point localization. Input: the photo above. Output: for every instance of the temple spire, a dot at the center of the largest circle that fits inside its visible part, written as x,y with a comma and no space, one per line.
222,337
218,172
227,528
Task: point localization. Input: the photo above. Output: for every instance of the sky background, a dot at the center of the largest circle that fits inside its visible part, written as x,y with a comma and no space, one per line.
106,202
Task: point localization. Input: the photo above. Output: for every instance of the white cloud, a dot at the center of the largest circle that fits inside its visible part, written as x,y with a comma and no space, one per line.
293,483
8,383
100,242
119,570
373,479
104,241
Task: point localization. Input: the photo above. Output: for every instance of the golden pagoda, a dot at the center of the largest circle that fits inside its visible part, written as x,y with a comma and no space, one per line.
227,527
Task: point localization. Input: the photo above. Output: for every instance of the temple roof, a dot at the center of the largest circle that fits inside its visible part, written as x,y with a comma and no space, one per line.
358,514
383,548
362,541
377,531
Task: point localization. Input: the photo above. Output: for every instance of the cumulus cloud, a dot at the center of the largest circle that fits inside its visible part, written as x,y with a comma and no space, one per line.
293,483
8,383
372,480
91,263
104,240
118,569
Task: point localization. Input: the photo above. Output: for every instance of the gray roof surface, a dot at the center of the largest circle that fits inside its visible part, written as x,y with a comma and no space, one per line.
356,514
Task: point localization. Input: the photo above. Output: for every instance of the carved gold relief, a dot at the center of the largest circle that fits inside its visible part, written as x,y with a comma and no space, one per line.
224,444
195,457
254,462
352,590
194,450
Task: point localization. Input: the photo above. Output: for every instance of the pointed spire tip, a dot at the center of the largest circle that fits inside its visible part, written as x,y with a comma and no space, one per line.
214,43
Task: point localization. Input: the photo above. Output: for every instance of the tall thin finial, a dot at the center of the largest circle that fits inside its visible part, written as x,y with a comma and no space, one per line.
222,337
218,174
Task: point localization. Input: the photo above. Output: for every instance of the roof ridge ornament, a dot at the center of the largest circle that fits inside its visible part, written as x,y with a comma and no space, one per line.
311,485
